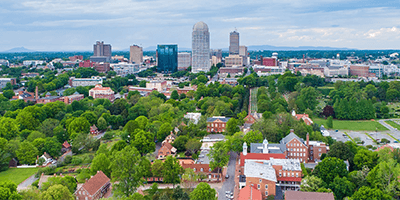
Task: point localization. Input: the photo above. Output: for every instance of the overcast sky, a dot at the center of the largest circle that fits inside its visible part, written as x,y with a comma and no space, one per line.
57,25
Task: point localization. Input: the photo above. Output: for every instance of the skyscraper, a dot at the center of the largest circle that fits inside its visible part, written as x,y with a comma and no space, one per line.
136,54
234,43
200,48
101,52
167,58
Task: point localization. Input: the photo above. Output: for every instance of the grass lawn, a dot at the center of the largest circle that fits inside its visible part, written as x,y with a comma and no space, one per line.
393,124
353,125
17,175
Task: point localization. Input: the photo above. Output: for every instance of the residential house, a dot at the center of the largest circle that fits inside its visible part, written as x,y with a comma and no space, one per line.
166,150
100,92
252,118
305,117
97,187
13,163
48,160
170,138
217,124
211,175
298,195
94,130
193,117
65,147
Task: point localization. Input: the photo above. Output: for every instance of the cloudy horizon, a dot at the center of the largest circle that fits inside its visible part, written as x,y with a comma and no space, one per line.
75,25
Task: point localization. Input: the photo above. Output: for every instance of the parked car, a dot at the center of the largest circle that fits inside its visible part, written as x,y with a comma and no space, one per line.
226,176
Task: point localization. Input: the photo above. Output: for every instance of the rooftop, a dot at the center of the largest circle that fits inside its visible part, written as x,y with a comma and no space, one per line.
298,195
96,182
200,26
287,164
250,193
259,170
222,118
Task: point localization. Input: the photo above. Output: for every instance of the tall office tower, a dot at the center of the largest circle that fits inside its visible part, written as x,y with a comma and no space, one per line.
243,54
200,48
136,54
101,52
167,58
234,43
217,53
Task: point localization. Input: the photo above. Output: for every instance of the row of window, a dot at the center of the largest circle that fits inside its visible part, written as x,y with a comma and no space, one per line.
201,169
266,188
216,125
296,144
288,174
223,130
297,154
298,150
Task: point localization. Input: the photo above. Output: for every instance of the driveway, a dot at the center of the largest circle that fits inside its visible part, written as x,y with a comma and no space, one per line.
229,184
395,133
26,183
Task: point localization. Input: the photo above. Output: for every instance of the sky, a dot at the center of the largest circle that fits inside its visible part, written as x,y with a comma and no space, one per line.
75,25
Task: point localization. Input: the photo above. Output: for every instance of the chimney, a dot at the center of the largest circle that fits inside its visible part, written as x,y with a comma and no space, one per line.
36,93
291,130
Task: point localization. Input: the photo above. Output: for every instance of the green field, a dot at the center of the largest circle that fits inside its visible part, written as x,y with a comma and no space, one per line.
17,175
393,124
355,125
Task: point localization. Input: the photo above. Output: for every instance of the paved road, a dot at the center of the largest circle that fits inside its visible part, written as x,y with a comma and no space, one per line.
25,184
229,183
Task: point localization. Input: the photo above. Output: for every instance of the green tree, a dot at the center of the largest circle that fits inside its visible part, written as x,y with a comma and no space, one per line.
27,153
57,192
142,83
126,170
232,126
218,155
8,128
131,126
311,184
26,120
35,135
103,148
48,126
8,94
329,122
101,124
203,191
144,142
52,147
180,142
142,122
175,95
307,99
253,137
101,163
367,193
157,168
365,158
79,125
235,142
189,178
4,193
342,187
67,181
164,131
341,150
193,146
172,170
329,168
90,116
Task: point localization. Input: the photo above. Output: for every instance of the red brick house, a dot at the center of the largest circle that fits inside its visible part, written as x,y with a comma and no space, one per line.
217,124
250,192
166,150
97,187
211,175
94,130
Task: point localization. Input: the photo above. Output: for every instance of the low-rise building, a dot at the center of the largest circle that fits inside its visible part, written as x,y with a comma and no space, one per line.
232,71
33,62
159,85
250,192
299,195
184,60
4,81
124,69
217,124
170,138
101,67
211,175
75,58
209,140
166,150
4,62
193,117
94,80
304,117
262,70
75,97
233,60
100,92
97,187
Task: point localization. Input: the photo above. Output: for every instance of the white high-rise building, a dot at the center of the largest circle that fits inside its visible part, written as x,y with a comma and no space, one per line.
200,48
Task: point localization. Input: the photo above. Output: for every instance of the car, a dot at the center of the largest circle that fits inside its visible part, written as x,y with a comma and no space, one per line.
396,141
226,176
336,131
227,192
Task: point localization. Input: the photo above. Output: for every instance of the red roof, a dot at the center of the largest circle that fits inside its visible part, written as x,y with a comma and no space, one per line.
95,183
250,193
295,179
260,156
298,195
66,145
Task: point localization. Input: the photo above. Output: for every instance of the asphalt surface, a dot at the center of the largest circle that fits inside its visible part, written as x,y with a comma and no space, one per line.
229,183
25,184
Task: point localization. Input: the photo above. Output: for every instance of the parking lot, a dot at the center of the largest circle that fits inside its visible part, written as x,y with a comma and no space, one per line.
340,136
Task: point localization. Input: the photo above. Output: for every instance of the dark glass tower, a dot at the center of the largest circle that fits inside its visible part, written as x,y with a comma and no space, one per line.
167,58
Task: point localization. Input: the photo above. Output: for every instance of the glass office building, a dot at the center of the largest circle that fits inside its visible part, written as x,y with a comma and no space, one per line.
167,58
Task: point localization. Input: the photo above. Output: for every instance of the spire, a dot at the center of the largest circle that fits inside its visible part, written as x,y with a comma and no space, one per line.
244,148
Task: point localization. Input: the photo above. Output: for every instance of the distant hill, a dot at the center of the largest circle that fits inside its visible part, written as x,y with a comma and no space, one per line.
300,48
19,49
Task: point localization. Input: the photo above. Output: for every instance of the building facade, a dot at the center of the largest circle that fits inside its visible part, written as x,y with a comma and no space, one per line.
96,187
124,69
136,54
167,58
234,43
217,124
200,48
94,80
184,60
101,52
4,81
100,92
233,60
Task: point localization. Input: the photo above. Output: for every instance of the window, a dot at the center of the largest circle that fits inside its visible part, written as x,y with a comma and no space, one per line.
223,130
258,186
284,174
319,155
201,169
319,149
297,154
260,180
280,174
292,174
212,125
266,186
80,192
209,169
266,193
194,169
291,149
297,174
223,125
301,159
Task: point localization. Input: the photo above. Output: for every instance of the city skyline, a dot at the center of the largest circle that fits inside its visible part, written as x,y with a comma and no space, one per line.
75,25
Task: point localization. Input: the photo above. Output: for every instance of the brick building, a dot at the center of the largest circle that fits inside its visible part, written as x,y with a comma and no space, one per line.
233,71
250,192
101,67
233,60
217,124
360,71
76,57
211,175
75,97
97,187
100,92
166,150
86,63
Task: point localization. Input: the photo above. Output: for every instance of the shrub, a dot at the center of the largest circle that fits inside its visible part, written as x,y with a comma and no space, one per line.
76,160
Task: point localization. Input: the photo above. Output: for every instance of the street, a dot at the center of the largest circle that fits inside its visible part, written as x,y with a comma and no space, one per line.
229,183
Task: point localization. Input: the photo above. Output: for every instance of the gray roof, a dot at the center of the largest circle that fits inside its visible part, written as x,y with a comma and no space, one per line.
272,148
258,170
223,119
215,137
289,137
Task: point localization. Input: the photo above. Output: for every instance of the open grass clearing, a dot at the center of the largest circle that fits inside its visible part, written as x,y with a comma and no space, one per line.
353,125
393,124
17,175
